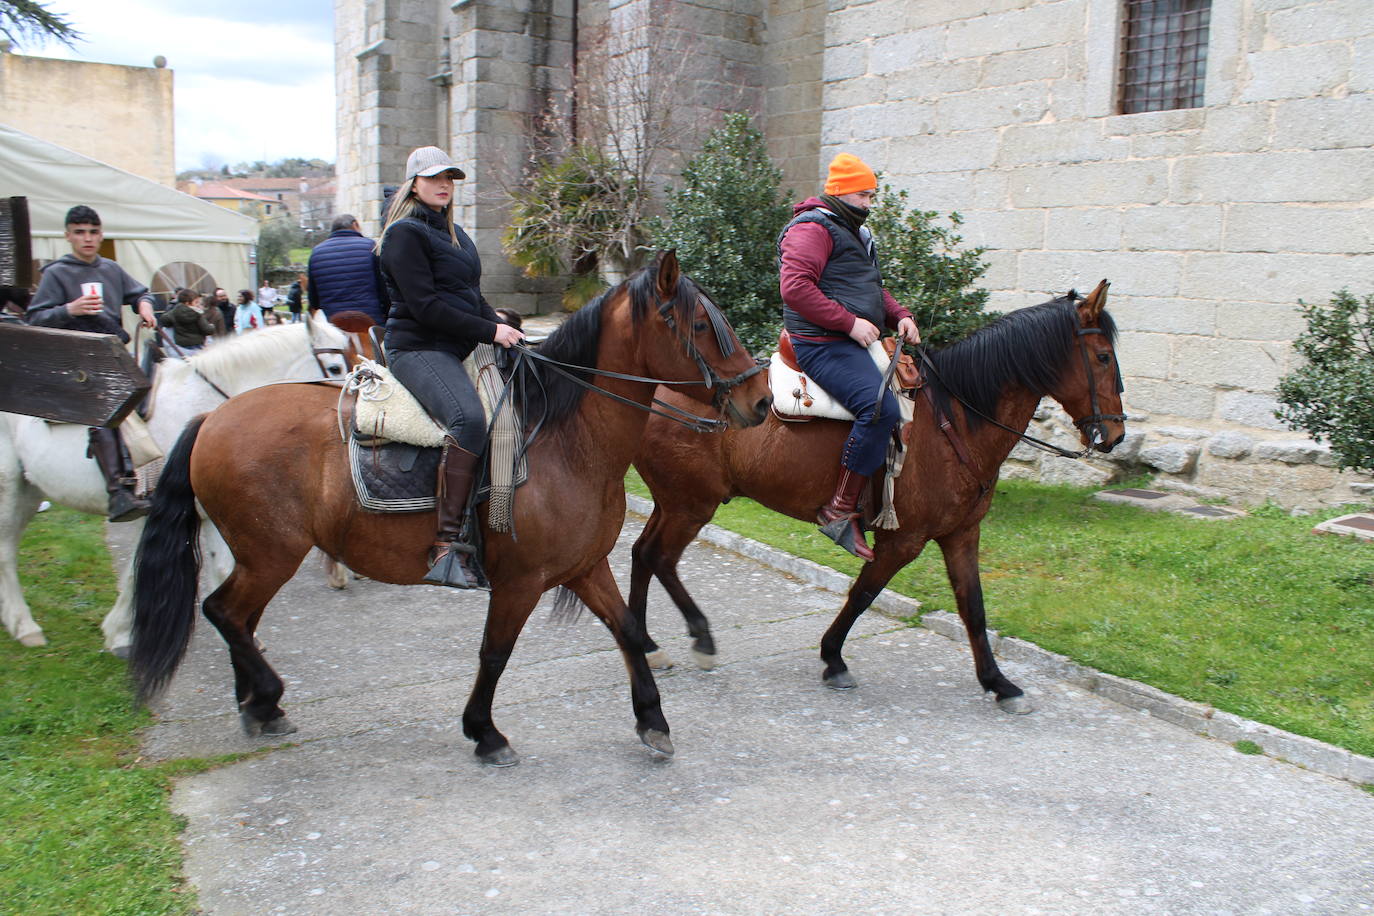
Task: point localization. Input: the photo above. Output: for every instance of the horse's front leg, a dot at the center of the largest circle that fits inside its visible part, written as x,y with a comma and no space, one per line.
507,610
18,505
598,591
961,563
889,556
656,553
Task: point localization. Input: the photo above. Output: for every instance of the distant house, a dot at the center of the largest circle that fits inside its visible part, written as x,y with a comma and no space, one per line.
258,206
308,202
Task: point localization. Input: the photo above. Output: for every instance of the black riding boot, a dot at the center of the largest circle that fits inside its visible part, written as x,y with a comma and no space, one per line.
839,519
107,448
453,559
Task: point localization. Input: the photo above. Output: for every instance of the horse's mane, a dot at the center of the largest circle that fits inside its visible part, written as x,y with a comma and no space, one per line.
223,361
1028,347
548,396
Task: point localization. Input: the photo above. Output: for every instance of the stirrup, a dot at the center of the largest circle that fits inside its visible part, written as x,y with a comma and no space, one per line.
449,568
125,507
844,531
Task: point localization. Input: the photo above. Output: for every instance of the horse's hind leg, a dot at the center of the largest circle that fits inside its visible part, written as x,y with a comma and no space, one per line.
600,593
235,608
657,552
507,611
961,563
888,559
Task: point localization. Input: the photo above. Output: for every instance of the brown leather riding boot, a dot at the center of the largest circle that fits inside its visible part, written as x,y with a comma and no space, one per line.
453,559
839,519
106,447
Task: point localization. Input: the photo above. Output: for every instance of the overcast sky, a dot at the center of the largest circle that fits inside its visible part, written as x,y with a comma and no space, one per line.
254,78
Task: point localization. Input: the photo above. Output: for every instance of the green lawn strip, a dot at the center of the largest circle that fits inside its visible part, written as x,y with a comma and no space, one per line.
1254,616
87,825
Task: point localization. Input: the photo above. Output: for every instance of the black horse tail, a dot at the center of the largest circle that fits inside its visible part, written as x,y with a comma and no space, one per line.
166,573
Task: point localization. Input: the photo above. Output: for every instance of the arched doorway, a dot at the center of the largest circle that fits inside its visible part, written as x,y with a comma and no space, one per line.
180,275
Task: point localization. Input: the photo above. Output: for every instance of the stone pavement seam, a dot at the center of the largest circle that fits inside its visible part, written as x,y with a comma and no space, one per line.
1199,718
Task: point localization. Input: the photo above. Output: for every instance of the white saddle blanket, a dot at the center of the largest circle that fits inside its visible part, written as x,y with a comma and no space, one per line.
797,395
387,410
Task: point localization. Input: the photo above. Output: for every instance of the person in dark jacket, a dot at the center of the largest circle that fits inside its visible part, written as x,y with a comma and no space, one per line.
293,297
189,323
82,291
438,315
345,274
834,307
220,301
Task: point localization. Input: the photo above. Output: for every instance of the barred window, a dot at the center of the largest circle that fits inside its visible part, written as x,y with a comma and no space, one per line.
1163,54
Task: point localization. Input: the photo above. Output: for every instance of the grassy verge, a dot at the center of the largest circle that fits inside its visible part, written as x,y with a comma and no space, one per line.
87,825
1255,616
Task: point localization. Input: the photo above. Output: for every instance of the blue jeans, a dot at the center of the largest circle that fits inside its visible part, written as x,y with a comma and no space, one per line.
847,373
441,385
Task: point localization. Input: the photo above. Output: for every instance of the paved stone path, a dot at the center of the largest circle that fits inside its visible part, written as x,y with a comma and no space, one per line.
911,794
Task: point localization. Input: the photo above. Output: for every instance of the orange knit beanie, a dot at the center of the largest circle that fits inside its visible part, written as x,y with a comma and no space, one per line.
849,174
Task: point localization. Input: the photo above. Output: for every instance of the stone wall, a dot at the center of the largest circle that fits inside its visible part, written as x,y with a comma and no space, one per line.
1211,222
131,128
792,62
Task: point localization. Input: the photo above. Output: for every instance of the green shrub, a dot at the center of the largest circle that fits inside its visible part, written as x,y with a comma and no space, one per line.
1331,396
570,217
724,220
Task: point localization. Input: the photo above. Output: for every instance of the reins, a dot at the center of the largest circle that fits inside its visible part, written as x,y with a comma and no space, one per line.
720,386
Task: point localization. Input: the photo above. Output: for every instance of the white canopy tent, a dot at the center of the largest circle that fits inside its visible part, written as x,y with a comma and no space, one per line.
154,228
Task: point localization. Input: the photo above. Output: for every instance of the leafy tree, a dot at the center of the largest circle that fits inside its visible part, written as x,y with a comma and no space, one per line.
724,221
925,271
21,20
275,241
1331,396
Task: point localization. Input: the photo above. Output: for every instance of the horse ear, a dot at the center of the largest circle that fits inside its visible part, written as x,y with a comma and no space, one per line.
668,273
1096,300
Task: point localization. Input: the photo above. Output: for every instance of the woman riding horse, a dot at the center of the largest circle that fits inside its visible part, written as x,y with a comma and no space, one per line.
438,315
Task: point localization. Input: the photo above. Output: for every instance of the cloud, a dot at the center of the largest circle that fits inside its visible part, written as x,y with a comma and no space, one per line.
254,80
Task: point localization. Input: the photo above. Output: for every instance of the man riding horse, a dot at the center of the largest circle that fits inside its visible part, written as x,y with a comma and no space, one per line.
834,307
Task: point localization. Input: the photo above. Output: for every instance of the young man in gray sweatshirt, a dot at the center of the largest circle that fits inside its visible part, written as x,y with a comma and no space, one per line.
65,300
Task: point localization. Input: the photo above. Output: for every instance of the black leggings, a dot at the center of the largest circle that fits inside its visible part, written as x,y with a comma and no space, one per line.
441,384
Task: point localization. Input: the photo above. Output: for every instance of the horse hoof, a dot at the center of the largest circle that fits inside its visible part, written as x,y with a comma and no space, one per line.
33,640
121,652
658,660
256,728
841,681
706,662
279,726
657,742
503,756
1016,706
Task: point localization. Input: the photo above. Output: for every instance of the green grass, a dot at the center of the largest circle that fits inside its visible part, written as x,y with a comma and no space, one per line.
298,255
87,828
1255,616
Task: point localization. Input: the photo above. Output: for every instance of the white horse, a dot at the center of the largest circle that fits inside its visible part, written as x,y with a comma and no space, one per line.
41,460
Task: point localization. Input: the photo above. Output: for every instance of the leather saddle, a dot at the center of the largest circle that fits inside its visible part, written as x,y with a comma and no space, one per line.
798,399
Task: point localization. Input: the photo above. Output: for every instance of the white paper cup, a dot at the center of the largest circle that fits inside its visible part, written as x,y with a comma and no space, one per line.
94,289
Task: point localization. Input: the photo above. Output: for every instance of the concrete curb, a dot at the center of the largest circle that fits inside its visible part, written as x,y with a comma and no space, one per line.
1199,718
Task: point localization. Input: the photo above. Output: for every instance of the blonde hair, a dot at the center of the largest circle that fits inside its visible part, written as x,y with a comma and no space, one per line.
404,203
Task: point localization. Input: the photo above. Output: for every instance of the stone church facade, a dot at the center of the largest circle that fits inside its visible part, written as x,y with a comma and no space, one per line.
1212,218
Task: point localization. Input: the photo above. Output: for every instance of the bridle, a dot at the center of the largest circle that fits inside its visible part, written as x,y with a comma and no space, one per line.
721,387
1094,419
725,341
1097,417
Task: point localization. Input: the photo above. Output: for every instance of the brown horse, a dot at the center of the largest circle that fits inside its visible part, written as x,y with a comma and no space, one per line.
567,516
988,384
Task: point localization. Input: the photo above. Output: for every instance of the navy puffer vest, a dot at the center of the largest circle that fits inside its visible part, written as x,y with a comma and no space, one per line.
851,276
344,276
